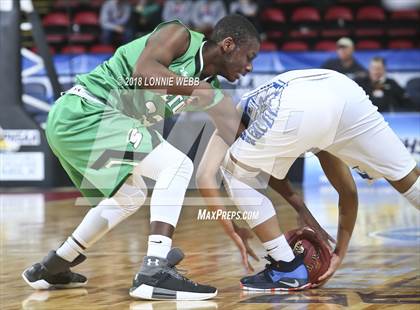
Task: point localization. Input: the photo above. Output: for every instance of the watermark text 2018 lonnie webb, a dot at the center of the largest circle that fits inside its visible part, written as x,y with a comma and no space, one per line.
204,214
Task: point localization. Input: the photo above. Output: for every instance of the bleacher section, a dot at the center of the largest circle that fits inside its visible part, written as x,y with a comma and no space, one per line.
289,25
296,25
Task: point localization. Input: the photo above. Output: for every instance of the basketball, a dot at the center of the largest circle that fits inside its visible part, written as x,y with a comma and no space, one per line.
316,254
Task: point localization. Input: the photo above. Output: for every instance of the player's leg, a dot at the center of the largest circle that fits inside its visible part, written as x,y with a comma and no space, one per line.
285,271
409,187
98,155
54,269
360,124
304,120
387,157
157,277
80,134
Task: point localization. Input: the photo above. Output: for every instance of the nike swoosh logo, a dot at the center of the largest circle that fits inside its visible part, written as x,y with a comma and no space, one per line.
291,284
157,241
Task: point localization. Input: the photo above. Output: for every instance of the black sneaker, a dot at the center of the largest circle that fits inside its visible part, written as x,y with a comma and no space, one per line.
54,272
159,279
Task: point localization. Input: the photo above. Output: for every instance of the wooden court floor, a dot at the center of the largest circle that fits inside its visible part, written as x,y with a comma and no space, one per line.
380,271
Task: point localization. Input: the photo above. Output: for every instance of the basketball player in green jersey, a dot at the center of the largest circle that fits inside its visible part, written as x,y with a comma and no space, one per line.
100,132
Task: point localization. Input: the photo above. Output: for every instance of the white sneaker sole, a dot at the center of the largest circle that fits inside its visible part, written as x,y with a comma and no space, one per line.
44,285
147,292
277,289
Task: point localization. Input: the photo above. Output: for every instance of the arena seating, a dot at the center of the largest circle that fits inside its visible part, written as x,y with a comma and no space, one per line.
305,24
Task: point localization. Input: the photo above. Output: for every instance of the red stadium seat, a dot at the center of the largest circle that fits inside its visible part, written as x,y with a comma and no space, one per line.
295,46
402,32
303,33
272,15
370,13
400,44
56,19
102,48
337,13
369,32
305,14
368,45
81,38
86,18
274,34
411,15
55,38
268,46
74,49
326,46
335,33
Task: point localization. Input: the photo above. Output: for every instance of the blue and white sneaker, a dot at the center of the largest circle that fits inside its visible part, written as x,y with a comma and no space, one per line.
279,276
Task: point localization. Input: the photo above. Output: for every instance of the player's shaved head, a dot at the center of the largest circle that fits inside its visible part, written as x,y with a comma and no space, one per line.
240,29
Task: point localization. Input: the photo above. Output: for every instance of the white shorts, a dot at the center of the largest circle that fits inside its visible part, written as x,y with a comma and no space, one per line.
331,113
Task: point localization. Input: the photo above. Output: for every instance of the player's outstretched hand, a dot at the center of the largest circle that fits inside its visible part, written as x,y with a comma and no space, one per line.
245,234
334,264
240,236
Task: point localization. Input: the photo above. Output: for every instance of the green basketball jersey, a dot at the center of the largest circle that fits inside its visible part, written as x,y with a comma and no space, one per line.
112,81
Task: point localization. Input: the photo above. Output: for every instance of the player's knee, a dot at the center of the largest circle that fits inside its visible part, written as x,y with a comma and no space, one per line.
130,204
239,170
132,194
187,166
263,211
183,167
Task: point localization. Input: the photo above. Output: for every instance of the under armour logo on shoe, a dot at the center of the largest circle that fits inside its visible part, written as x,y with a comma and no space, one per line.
152,262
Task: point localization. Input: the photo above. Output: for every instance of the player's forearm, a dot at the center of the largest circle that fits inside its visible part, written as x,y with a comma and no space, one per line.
229,131
214,202
226,120
284,188
348,205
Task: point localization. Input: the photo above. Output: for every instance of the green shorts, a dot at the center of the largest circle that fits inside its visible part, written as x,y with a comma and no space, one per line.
96,144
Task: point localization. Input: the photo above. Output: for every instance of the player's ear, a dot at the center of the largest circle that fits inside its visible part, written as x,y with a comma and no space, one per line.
228,45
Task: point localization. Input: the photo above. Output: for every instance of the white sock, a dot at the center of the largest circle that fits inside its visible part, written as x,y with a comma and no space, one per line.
69,250
413,194
159,246
279,249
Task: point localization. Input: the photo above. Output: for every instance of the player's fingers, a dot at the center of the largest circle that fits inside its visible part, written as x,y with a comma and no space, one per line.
245,261
243,250
326,275
327,244
319,284
252,253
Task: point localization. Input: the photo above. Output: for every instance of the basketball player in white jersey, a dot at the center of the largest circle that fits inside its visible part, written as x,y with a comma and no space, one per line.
299,111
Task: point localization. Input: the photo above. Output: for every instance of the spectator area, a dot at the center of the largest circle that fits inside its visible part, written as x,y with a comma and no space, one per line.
288,25
289,29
